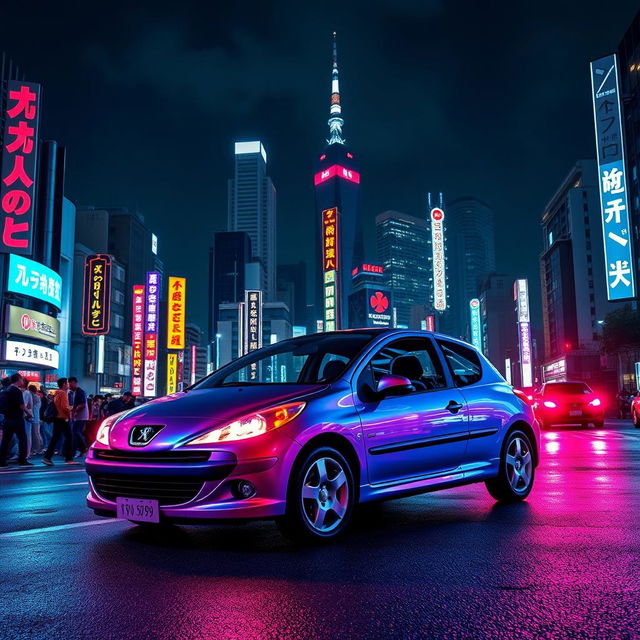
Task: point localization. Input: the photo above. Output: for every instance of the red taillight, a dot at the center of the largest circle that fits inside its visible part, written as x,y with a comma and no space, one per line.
523,396
550,404
596,402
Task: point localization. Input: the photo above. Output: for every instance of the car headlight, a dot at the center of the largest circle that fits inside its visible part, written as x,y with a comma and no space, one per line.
252,425
103,432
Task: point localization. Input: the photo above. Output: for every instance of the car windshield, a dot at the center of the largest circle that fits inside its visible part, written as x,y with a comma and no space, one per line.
566,388
315,359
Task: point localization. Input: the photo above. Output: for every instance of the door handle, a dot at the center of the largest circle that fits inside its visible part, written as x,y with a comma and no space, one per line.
454,406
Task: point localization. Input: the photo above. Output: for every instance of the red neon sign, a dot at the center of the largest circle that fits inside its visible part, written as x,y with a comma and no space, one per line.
336,170
431,323
19,160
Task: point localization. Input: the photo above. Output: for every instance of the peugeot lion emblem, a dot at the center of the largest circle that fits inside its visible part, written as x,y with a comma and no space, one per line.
142,435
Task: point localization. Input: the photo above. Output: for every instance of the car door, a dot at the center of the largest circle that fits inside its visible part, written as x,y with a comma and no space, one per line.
421,433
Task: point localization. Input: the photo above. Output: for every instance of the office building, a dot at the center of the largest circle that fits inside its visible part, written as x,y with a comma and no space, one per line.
471,256
36,249
134,250
339,240
499,321
228,258
574,294
252,209
292,290
402,243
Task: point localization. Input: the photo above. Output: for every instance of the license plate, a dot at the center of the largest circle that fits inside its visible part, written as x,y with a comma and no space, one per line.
575,413
138,509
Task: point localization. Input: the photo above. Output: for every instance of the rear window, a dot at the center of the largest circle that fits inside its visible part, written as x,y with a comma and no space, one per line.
567,388
463,362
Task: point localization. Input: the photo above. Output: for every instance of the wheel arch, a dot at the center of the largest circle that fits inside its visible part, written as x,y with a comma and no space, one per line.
526,428
335,441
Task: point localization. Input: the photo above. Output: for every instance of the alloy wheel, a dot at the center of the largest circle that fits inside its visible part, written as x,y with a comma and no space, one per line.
519,464
325,494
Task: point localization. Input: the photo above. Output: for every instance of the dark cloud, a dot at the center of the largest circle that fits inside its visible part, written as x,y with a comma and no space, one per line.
490,99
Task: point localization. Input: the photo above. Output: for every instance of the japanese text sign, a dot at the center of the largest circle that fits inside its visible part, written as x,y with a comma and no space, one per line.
176,311
438,259
97,295
18,171
27,353
172,372
30,278
612,179
252,326
330,239
151,333
476,332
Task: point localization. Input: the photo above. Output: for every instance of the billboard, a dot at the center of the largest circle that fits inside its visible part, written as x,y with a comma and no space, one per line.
32,324
438,259
18,169
476,331
30,278
612,179
252,323
176,311
371,307
34,354
172,372
430,322
330,266
336,170
152,292
137,339
96,297
521,295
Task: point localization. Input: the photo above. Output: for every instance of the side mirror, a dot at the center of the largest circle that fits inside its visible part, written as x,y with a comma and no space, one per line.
394,386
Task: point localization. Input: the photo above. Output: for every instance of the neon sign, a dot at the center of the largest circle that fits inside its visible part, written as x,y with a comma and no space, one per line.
476,334
438,259
19,160
336,170
330,266
151,333
97,295
521,288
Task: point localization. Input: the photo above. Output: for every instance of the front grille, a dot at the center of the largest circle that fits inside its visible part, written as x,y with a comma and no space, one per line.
165,490
151,456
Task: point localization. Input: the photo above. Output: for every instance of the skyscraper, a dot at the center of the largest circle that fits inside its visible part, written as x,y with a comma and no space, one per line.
574,294
228,257
252,208
402,251
472,256
337,187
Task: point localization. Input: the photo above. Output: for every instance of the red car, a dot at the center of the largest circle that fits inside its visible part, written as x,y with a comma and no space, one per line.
568,403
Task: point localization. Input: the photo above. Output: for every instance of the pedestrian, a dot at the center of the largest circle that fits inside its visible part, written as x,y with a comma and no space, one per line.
36,440
4,386
104,406
61,426
46,427
79,415
28,416
123,403
14,422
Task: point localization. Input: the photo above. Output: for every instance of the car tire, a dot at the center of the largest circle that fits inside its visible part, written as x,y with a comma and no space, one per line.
517,470
320,499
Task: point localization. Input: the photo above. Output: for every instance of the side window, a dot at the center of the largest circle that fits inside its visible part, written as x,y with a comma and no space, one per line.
413,358
464,363
331,366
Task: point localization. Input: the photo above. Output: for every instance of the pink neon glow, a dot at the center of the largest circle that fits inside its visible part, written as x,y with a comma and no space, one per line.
336,170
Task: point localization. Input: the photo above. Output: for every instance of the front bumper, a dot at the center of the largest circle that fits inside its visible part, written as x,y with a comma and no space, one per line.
195,490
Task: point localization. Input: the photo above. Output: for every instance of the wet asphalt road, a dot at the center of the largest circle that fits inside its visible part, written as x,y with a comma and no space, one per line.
566,563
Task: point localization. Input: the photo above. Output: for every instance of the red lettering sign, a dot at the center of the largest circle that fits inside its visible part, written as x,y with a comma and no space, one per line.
18,170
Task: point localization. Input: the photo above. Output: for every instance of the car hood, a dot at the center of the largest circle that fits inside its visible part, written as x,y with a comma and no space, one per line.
185,415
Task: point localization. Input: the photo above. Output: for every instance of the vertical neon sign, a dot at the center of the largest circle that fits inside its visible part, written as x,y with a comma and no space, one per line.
438,259
521,294
330,268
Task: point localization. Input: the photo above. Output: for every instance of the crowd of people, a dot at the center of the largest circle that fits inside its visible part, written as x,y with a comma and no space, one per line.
65,421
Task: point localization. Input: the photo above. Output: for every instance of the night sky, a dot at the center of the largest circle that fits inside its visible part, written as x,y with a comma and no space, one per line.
468,98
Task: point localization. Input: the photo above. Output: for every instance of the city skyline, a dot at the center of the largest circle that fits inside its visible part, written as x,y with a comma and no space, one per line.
243,108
